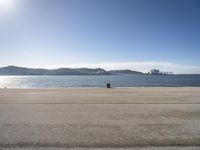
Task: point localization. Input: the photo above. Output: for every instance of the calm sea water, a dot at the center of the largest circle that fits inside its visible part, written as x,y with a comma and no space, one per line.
100,81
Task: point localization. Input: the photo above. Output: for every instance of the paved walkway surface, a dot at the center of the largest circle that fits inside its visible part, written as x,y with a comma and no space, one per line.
100,119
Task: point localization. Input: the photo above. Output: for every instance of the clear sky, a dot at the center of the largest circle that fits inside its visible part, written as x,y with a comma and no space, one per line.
113,34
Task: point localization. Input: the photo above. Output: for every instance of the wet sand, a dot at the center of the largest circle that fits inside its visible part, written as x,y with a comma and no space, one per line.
99,119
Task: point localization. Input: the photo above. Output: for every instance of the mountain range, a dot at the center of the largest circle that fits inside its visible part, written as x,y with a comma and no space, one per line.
14,70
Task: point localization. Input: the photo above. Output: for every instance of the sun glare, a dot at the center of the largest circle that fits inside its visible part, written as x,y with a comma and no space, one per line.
6,4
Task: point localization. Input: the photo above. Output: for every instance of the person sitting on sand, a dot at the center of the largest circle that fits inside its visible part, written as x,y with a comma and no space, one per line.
108,85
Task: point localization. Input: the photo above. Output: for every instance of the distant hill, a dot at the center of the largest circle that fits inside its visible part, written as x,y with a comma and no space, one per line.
13,70
124,72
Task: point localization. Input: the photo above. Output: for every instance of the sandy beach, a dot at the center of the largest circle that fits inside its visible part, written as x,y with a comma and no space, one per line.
100,118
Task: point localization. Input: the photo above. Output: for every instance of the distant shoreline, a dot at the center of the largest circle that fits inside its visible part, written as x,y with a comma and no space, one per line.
94,75
23,71
14,70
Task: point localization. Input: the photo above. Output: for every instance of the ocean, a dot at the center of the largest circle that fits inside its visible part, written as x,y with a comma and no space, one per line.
99,81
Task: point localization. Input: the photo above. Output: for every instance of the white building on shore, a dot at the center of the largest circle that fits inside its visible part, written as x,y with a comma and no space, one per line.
158,72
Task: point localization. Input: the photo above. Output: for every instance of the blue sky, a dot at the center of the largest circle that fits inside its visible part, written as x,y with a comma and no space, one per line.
113,34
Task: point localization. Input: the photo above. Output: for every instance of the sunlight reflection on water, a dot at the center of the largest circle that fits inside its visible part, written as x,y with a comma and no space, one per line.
13,82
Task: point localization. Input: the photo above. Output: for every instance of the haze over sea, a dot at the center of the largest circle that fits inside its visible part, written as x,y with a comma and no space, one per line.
99,81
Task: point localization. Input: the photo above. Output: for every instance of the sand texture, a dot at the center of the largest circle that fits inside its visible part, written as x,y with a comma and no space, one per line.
100,119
